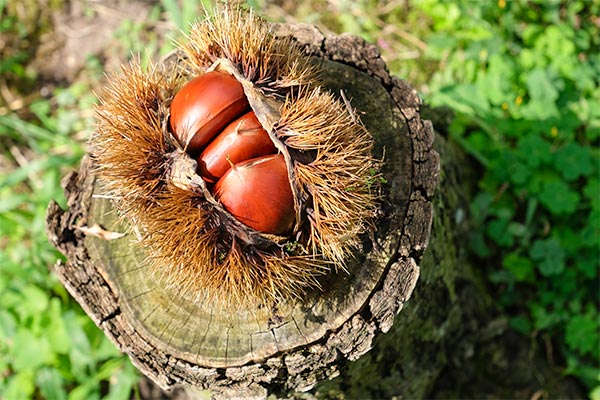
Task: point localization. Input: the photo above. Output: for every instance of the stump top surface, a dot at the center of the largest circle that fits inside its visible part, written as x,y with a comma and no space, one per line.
198,331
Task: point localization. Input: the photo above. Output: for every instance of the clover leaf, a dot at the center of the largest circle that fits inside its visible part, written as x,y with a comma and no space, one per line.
550,256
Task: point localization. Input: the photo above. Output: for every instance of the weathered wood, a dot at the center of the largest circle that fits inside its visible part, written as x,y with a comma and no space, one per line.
181,341
430,334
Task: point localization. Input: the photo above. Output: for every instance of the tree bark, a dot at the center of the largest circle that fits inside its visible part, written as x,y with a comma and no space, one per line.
178,342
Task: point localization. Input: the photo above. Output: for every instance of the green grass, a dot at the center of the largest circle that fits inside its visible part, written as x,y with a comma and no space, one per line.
521,78
49,348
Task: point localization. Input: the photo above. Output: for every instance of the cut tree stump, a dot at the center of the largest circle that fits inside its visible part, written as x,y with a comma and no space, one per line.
177,342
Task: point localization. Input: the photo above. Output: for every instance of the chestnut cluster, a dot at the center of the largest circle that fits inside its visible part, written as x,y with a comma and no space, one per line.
244,179
213,121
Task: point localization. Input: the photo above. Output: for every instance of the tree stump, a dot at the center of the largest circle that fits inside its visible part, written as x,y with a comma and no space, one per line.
177,342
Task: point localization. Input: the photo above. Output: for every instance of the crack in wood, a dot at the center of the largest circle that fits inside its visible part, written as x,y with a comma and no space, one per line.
110,316
143,320
167,325
227,343
299,330
131,270
205,333
136,296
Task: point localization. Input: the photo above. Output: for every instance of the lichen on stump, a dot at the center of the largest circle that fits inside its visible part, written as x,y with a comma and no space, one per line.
177,338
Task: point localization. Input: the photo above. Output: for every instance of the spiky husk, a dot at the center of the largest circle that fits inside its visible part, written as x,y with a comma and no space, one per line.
185,239
130,149
246,40
341,180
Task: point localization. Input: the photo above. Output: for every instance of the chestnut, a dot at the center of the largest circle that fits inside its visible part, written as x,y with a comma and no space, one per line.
203,107
258,193
241,140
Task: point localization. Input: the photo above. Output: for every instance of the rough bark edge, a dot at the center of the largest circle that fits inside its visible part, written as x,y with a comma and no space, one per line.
299,370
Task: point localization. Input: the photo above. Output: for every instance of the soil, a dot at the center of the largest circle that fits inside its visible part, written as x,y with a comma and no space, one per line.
81,30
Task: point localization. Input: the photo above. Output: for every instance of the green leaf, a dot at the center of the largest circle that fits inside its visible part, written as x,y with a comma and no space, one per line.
542,318
8,326
476,143
86,391
582,333
592,192
105,349
588,266
51,383
36,135
574,161
589,373
463,98
477,244
550,256
543,95
519,173
34,303
495,83
521,324
522,268
591,232
57,333
592,131
595,393
80,356
20,386
89,387
498,231
556,44
517,229
438,44
532,204
534,150
123,383
558,198
480,206
30,352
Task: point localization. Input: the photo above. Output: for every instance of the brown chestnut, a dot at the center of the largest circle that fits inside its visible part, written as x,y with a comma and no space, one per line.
204,106
241,140
258,193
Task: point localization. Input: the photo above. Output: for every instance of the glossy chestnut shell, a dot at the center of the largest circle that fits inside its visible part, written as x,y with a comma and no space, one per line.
241,140
258,193
203,107
234,153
